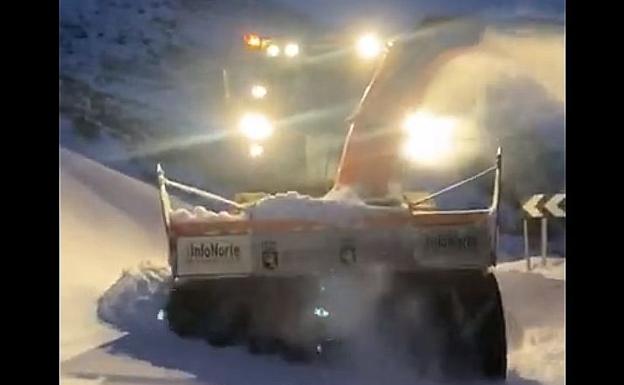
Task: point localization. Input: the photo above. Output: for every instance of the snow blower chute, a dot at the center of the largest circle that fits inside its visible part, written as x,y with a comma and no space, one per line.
265,273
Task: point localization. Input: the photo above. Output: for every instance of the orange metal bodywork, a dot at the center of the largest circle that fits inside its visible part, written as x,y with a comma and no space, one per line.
370,156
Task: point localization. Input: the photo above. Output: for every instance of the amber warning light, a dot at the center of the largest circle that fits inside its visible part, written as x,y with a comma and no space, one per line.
252,40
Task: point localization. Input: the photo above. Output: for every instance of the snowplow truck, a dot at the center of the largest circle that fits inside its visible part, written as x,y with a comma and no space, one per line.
307,277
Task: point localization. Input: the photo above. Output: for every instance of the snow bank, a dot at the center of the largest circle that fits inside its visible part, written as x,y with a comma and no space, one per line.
108,222
137,201
135,301
554,268
534,304
541,355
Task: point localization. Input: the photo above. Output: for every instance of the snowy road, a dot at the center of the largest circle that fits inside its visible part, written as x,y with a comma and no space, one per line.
111,223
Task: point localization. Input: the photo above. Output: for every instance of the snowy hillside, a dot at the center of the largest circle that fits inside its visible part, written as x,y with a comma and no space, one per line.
114,280
138,74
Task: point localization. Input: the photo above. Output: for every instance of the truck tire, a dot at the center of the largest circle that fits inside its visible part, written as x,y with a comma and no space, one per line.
213,310
450,324
184,310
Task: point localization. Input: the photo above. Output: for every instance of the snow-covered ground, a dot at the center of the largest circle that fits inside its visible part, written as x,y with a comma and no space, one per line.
535,308
554,268
103,230
114,277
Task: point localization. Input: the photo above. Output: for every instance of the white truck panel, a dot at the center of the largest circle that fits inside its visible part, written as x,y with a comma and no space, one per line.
218,255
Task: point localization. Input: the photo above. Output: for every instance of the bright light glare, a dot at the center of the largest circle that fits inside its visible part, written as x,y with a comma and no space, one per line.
255,150
369,46
430,137
255,126
258,91
291,49
273,50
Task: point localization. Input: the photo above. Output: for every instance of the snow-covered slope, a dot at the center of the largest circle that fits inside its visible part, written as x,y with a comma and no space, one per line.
110,225
554,268
108,222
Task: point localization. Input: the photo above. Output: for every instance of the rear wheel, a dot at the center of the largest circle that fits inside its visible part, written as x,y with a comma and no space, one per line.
450,324
265,311
184,310
215,310
298,330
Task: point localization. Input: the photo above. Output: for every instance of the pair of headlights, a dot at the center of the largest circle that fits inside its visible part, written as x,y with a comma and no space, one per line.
368,46
256,126
259,43
290,50
429,136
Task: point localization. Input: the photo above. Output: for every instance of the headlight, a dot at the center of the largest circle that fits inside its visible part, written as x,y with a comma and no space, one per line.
273,50
429,137
255,150
255,126
369,46
291,50
258,91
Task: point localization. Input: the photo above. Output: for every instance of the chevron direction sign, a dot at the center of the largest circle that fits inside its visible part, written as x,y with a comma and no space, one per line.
542,205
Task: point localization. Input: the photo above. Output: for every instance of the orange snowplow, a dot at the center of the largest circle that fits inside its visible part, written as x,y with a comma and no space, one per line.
276,272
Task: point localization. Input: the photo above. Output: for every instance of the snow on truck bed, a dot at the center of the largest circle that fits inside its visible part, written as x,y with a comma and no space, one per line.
114,281
201,214
335,207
